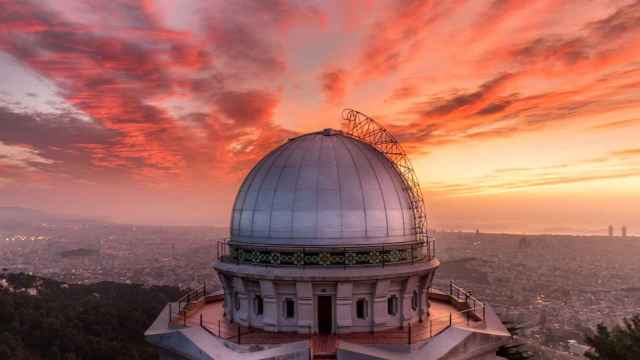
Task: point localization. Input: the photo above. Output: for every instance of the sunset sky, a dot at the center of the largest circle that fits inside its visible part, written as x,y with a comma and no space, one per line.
519,116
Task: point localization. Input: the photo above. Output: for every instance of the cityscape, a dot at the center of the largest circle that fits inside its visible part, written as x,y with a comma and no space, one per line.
555,286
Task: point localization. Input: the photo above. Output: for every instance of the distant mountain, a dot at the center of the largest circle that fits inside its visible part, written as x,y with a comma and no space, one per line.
22,215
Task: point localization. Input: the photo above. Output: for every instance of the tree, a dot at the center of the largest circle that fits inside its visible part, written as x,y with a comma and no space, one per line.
513,350
102,321
618,343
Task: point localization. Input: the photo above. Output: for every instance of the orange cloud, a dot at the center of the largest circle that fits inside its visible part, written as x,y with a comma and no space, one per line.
334,85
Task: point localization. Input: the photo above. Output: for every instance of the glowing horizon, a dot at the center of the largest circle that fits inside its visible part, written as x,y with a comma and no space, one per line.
516,116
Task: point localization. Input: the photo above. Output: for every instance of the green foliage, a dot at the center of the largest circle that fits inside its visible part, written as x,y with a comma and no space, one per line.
514,350
618,343
99,321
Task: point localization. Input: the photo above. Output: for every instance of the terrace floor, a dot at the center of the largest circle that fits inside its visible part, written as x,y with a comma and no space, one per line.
211,317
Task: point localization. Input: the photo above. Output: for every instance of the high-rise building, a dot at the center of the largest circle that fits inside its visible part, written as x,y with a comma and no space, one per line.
329,256
624,231
610,230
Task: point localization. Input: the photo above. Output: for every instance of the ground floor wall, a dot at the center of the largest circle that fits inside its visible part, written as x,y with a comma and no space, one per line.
327,306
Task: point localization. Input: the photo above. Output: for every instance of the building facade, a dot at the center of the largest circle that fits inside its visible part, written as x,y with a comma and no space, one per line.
329,256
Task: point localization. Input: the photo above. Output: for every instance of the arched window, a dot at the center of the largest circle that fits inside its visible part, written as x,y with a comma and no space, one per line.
236,300
361,309
392,305
289,308
414,300
258,305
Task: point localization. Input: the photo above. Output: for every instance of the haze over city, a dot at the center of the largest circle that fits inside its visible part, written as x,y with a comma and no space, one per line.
517,116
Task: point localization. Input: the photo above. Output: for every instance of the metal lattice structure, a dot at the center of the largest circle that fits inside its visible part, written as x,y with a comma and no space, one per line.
364,128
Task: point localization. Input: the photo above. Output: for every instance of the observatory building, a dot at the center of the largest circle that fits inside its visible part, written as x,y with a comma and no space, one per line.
329,256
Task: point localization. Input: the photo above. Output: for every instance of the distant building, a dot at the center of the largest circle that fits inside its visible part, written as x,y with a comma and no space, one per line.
624,231
329,257
610,230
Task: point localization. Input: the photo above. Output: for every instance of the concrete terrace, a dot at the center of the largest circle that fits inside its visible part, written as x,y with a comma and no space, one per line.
445,312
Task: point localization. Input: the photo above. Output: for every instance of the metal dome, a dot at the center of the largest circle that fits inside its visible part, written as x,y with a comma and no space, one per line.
323,189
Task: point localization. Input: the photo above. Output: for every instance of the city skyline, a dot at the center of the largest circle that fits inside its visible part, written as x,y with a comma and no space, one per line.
152,112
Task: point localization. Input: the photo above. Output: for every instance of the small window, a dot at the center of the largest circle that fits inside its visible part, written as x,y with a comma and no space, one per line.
289,308
361,309
258,305
236,301
414,301
392,305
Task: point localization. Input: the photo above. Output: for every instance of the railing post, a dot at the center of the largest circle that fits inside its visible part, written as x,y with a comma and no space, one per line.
201,320
450,319
483,313
170,312
219,328
430,328
184,317
409,333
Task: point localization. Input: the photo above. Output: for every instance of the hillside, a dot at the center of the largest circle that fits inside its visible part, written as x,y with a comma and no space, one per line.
46,319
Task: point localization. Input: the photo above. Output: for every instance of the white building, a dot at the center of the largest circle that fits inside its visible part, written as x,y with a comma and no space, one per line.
329,255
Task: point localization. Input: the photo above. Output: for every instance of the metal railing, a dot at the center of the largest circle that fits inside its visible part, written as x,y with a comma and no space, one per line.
471,304
470,312
342,256
180,310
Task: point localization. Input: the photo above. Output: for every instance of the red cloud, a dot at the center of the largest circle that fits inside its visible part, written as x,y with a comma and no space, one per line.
334,85
117,80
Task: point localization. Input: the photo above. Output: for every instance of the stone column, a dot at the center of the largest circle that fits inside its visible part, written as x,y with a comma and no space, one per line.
423,296
304,300
380,315
407,294
242,314
344,304
270,308
227,286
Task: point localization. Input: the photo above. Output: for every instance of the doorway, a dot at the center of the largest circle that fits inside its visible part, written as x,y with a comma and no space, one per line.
325,314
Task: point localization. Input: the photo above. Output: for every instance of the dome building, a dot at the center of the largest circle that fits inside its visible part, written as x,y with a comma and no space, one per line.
324,239
329,256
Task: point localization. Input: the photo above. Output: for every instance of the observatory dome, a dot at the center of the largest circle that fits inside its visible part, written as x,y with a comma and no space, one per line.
323,189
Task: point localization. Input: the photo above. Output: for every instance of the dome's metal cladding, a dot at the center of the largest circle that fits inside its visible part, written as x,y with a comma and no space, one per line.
323,189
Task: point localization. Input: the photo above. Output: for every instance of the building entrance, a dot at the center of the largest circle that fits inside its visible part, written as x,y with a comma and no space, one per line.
325,316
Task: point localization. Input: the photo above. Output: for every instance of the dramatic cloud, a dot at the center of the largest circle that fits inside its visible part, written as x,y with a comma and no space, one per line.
334,85
121,82
146,97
